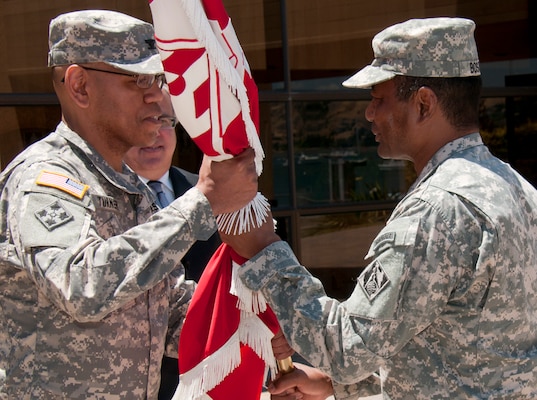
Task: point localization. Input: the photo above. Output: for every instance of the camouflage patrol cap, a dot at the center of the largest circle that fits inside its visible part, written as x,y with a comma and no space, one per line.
430,47
90,36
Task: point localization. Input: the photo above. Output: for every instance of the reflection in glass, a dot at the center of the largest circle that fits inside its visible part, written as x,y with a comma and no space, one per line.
336,157
492,125
522,127
278,154
340,240
333,246
22,126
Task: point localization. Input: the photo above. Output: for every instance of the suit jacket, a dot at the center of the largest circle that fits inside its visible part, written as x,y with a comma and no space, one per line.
201,251
194,262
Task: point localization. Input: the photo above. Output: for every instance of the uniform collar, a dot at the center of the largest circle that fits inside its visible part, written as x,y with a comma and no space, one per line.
448,151
123,180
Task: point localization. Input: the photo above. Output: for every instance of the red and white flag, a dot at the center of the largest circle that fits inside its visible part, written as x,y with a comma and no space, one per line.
209,78
211,87
225,345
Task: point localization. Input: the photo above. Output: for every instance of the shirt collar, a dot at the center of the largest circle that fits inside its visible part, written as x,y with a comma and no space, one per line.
164,179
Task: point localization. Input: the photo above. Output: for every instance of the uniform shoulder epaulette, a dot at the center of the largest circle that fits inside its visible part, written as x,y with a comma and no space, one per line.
63,183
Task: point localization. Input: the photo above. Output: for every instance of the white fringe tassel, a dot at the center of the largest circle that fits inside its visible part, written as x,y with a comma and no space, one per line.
204,33
253,215
252,331
212,370
256,333
196,383
247,300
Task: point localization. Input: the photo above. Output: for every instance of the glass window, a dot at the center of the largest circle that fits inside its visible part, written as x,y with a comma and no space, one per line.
333,38
23,125
341,240
492,126
522,127
336,157
522,133
275,180
333,246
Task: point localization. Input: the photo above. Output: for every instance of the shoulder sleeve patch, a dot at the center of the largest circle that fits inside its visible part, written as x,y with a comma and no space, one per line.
378,288
63,183
49,221
373,280
53,215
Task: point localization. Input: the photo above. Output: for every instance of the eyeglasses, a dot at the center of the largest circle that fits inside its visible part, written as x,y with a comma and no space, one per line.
168,122
143,81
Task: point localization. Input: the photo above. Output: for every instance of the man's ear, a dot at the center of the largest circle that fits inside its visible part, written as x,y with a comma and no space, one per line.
75,82
426,102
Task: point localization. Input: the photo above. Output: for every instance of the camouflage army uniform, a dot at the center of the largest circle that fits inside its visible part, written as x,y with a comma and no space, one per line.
88,298
446,307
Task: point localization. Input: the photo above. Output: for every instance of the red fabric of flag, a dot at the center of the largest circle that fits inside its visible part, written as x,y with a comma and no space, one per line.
213,92
225,345
221,351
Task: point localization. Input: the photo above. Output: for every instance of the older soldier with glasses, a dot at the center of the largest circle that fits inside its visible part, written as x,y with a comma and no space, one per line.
92,290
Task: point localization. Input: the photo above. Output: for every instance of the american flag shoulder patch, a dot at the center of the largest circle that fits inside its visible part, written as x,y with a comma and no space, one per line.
63,183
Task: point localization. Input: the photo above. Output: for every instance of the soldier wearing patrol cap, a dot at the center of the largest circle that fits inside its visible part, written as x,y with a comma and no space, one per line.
446,306
92,291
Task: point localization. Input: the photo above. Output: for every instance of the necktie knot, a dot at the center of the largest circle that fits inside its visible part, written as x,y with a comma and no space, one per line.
156,187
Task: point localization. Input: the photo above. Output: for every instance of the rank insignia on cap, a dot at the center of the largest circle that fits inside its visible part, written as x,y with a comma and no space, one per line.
62,182
373,280
53,215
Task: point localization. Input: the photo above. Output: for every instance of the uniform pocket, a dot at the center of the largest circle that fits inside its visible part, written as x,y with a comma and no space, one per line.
376,295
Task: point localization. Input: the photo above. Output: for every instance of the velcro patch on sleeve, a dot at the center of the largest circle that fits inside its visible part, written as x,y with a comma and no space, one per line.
53,215
63,183
373,280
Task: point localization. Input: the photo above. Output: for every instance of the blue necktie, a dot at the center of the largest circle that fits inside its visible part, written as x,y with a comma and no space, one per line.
156,186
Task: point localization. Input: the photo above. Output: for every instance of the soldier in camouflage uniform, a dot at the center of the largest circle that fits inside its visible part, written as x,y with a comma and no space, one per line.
446,308
92,291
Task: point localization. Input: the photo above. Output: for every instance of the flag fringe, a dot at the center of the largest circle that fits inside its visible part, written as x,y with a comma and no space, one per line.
254,333
212,370
247,300
251,216
205,35
253,330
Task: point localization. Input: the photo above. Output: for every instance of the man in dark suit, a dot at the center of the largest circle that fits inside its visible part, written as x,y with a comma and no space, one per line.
153,165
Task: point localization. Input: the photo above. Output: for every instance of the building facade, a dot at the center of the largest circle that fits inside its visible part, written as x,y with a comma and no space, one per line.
330,191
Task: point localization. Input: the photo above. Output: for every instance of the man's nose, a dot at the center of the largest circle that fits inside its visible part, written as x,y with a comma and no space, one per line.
154,93
370,112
